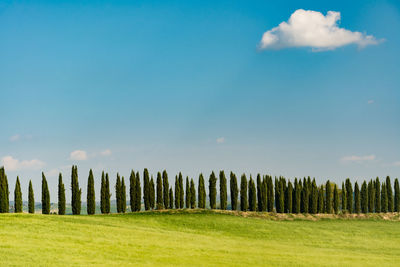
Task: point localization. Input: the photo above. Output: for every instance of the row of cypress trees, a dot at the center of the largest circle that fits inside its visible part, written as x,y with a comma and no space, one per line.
262,194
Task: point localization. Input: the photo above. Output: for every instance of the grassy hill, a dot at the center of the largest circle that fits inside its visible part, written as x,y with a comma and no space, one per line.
196,238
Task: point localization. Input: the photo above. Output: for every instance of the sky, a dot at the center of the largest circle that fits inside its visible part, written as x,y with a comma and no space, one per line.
292,88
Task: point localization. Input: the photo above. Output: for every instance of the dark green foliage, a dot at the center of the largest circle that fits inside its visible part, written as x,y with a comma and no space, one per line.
304,197
371,196
389,193
31,199
91,202
289,196
192,194
177,193
17,197
132,190
152,193
314,197
243,193
118,193
223,192
252,195
103,194
182,192
280,185
349,196
4,203
146,189
264,194
357,199
187,199
377,195
160,202
396,196
165,189
259,193
138,204
45,196
76,192
234,191
107,195
328,197
364,197
61,196
297,198
270,194
335,200
201,193
212,187
171,198
344,199
384,198
321,204
123,195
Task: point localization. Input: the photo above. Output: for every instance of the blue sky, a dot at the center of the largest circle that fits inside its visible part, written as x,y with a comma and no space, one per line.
184,86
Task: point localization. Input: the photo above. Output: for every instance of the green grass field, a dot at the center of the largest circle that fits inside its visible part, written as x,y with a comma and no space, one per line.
202,238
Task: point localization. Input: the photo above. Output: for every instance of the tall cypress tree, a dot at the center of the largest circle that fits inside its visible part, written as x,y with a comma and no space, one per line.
107,195
297,193
377,195
45,196
187,199
181,191
202,193
264,193
212,187
31,199
132,190
344,199
335,200
277,192
152,193
364,197
17,197
396,196
118,193
160,202
76,192
259,193
357,202
177,193
4,203
123,195
243,193
371,196
389,192
192,194
171,198
103,194
90,198
282,186
349,195
61,196
138,204
252,195
305,197
165,189
321,204
223,195
234,191
315,196
384,198
146,189
270,194
289,196
328,197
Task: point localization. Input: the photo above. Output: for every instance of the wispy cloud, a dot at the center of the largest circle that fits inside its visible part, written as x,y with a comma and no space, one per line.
13,164
307,28
397,163
220,140
370,102
358,159
106,152
78,155
15,138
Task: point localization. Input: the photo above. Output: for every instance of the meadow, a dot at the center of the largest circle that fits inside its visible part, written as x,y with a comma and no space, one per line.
200,238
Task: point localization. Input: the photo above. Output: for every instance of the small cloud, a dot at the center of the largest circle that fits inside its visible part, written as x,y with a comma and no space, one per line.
307,28
358,159
78,155
15,138
220,140
13,164
53,172
106,152
397,163
370,102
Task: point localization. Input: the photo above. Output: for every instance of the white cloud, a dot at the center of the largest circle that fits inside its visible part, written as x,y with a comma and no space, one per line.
358,159
78,155
220,140
15,138
397,163
370,102
307,28
106,152
13,164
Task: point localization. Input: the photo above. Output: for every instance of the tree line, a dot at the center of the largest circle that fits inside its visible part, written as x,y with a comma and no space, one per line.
263,194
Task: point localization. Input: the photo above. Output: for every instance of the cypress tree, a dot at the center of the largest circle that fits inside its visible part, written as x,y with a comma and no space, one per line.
270,194
212,187
297,197
118,193
377,195
277,191
160,202
357,204
31,199
328,197
123,195
4,203
165,189
192,194
146,189
396,196
234,191
171,198
344,199
384,198
17,197
389,192
187,199
45,196
177,194
152,193
315,196
321,204
349,195
282,186
61,196
259,193
132,190
182,192
103,194
304,197
371,196
76,192
289,196
264,193
364,197
202,193
252,195
107,195
223,195
243,193
335,200
91,202
138,203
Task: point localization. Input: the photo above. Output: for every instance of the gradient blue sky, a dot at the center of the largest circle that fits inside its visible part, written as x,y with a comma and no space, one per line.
181,85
